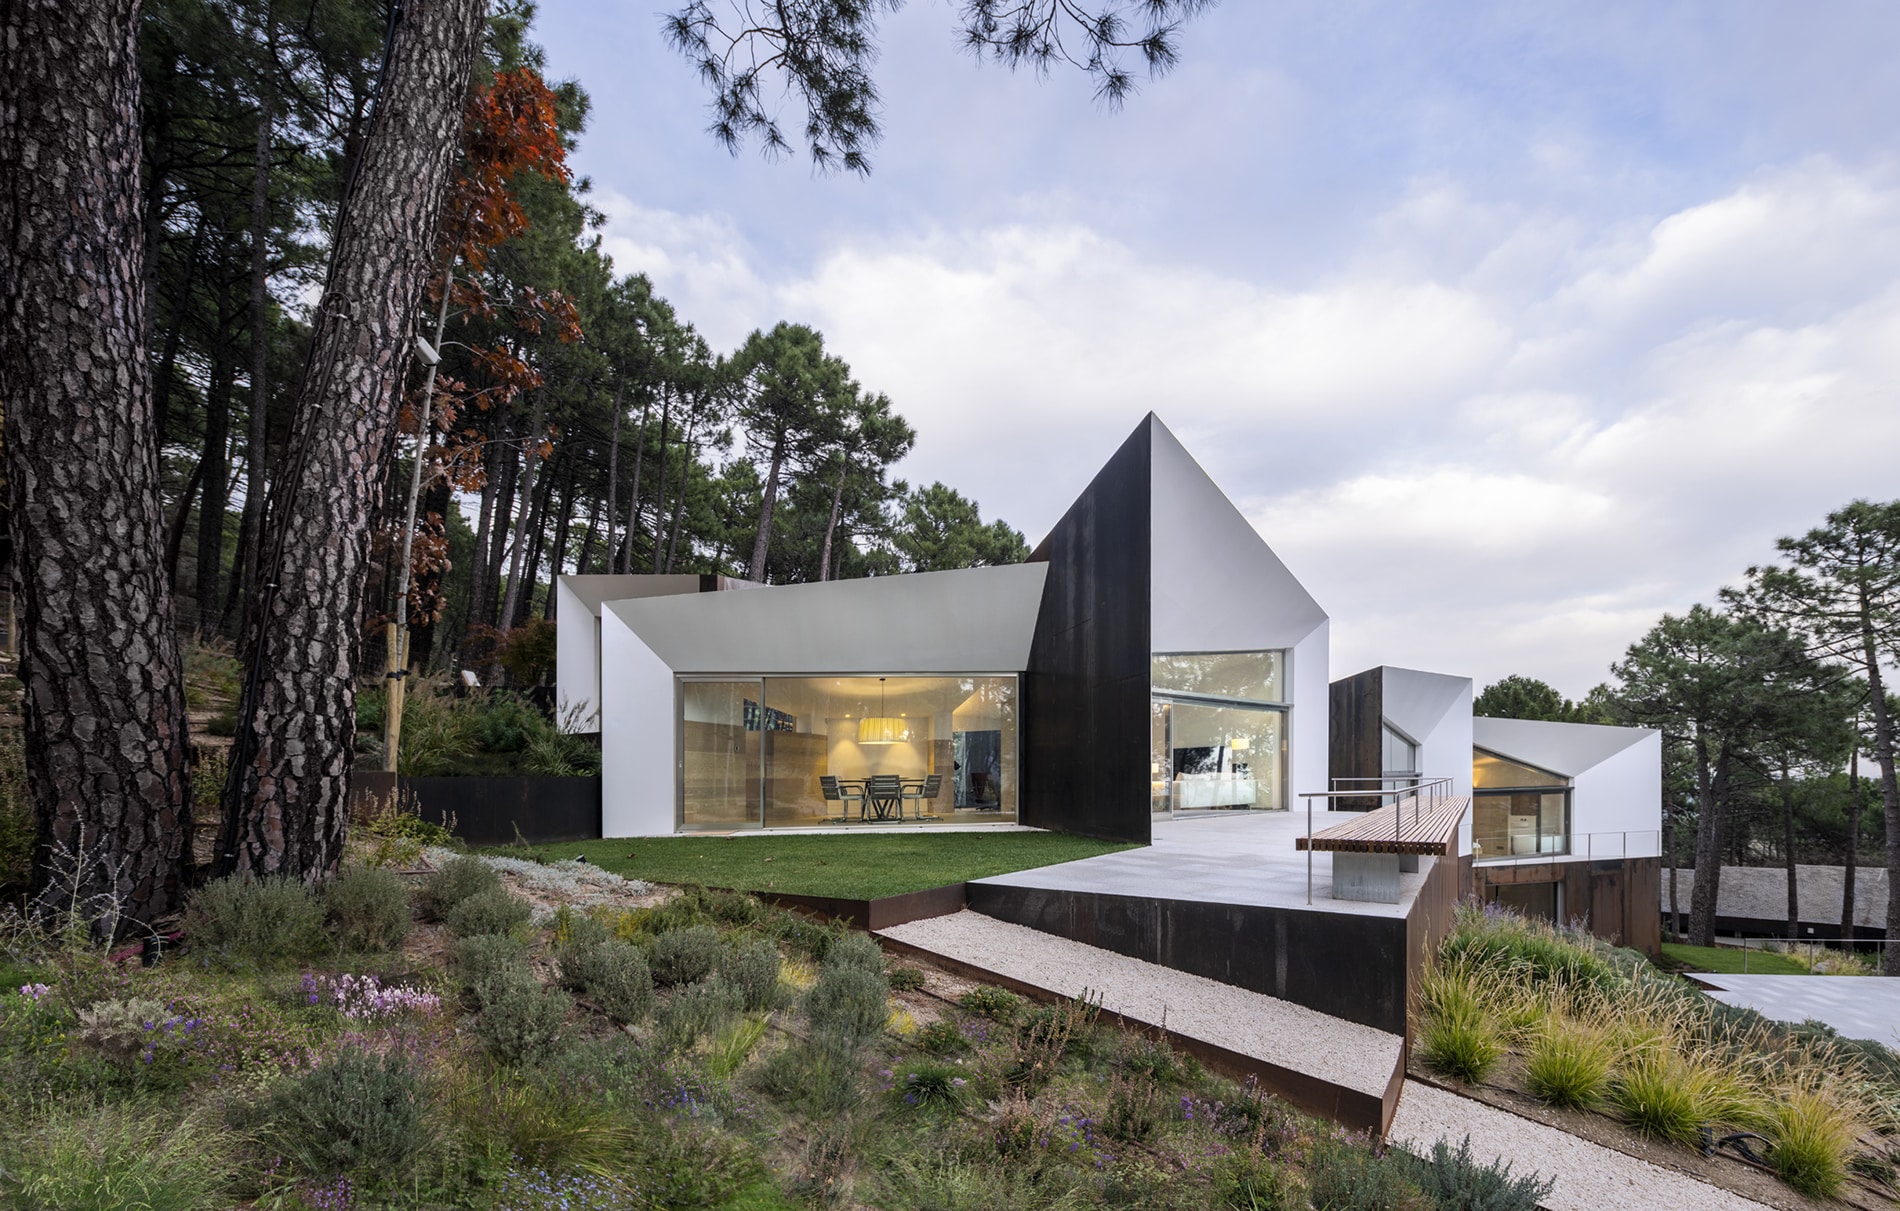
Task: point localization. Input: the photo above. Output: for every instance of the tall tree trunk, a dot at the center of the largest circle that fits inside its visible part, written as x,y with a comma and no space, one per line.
659,497
241,553
1708,850
257,437
168,359
613,480
211,506
498,541
679,508
1853,846
537,545
586,557
831,526
1889,798
297,721
561,522
104,701
175,531
1669,849
1787,844
532,461
437,500
484,523
633,500
768,500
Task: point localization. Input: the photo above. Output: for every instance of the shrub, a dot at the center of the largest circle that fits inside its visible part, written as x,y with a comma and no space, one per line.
1249,1182
520,1022
255,921
1568,1065
684,956
112,1158
858,951
401,833
354,1112
698,1009
367,908
1454,1181
1498,937
491,911
458,879
847,1006
751,970
993,1003
1343,1177
572,928
1458,1036
485,958
613,975
905,978
1813,1142
942,1037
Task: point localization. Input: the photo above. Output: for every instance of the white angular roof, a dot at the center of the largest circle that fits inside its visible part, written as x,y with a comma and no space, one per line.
1562,748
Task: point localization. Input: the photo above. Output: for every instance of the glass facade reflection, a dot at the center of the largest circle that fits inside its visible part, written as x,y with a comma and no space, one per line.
1517,810
817,750
1218,731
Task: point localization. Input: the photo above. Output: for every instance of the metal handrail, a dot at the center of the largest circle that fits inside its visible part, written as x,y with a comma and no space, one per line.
1571,851
1878,945
1420,786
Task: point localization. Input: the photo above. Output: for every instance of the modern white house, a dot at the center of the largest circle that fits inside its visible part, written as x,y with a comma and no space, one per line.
1153,659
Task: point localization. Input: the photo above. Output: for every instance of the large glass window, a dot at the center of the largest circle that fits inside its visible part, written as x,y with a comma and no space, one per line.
719,753
1218,731
1517,810
1397,754
923,749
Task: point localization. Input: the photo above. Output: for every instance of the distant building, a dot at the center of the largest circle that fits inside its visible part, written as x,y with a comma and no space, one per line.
1752,901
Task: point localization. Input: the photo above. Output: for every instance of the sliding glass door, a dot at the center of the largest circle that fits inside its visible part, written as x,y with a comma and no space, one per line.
720,754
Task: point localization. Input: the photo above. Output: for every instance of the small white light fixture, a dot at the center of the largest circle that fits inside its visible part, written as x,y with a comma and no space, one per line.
427,352
1240,744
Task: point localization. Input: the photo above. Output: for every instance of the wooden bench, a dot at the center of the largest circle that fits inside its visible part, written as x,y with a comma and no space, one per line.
1370,850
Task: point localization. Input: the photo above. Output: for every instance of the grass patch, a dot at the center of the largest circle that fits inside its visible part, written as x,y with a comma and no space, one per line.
1727,960
860,868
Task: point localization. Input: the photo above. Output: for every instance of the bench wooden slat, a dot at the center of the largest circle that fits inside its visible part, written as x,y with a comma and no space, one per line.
1430,828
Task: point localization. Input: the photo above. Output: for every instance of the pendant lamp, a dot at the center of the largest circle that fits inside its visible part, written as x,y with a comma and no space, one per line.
880,728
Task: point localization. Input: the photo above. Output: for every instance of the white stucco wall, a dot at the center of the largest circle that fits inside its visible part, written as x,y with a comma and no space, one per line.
638,751
1310,676
1620,795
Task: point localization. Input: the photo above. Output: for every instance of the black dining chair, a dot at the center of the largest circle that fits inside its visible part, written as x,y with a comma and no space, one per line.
844,796
886,793
923,792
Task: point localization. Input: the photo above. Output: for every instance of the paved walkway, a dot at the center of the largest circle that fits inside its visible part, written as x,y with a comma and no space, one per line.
1346,1055
1589,1176
1860,1007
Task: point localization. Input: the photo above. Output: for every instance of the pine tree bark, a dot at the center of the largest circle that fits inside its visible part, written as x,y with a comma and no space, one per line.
484,523
291,809
257,437
104,700
613,480
562,520
768,501
211,505
687,454
1708,845
1787,844
1853,846
659,497
633,499
512,599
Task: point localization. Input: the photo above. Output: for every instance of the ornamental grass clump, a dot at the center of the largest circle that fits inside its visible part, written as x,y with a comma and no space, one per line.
685,956
1568,1065
930,1085
367,908
1813,1141
1669,1097
115,1157
1458,1036
1498,938
255,922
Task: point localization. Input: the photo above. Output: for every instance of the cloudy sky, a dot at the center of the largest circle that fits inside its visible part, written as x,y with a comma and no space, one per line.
1509,325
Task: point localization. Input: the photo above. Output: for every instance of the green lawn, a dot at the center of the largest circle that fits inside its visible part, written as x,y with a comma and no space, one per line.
862,867
1727,960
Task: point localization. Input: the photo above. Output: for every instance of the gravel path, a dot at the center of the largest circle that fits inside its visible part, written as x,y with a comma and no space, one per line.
1589,1176
1344,1053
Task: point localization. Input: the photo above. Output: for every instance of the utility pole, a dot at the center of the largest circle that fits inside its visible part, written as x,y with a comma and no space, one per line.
398,630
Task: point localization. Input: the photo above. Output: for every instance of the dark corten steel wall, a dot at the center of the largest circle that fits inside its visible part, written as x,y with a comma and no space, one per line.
487,811
1085,692
1620,897
1355,746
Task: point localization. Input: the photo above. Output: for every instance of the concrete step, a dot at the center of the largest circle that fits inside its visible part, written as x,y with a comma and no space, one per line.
1328,1066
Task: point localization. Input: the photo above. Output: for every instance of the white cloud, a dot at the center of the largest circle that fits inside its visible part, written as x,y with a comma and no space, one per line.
1492,439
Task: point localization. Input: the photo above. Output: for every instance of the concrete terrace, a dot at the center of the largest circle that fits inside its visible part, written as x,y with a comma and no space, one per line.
1244,859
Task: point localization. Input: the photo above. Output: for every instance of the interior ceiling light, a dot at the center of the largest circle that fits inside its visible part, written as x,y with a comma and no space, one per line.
880,728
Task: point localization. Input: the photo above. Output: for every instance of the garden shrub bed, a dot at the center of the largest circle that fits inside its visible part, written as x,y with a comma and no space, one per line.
526,1040
1558,1025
